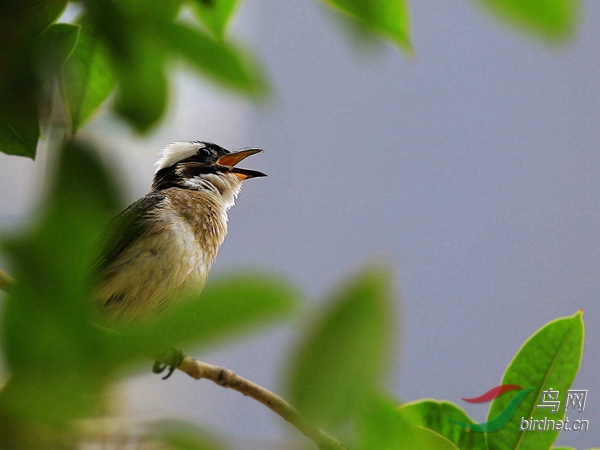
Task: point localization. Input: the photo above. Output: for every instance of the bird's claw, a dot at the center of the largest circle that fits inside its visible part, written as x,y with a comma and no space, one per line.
174,358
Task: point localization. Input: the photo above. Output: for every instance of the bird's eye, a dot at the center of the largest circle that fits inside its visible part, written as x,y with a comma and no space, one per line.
203,152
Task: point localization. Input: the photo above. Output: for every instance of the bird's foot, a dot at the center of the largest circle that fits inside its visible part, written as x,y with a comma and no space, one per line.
169,360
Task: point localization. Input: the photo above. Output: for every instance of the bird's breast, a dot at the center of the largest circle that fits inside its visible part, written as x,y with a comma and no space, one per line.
170,260
193,228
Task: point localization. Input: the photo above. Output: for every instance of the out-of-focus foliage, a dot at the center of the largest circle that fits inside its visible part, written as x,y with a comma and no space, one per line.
52,349
344,357
215,14
222,63
384,427
88,78
551,20
30,49
127,47
228,304
178,435
389,19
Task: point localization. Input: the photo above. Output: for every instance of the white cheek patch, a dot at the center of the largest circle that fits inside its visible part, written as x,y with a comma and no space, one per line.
228,186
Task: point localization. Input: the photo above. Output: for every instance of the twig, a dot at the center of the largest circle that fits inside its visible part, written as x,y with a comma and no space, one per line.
6,281
229,379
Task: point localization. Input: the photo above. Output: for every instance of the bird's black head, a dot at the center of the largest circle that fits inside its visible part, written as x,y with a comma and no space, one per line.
207,152
183,161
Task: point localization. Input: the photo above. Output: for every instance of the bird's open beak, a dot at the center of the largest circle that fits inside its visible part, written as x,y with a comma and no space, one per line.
231,159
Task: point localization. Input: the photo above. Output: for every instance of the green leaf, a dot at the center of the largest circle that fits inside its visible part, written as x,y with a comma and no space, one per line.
112,24
26,69
565,448
552,20
19,135
88,77
179,435
344,357
432,414
228,304
215,15
53,260
51,347
143,91
151,12
53,47
549,359
30,55
383,426
131,29
123,25
223,64
387,18
24,19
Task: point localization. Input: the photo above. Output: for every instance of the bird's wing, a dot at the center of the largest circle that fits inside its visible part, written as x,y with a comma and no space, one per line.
125,229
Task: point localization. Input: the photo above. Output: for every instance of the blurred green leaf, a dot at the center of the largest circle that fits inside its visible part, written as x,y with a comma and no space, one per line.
221,63
549,359
387,18
143,91
112,24
30,65
565,448
88,77
24,19
19,135
383,426
228,304
151,12
30,55
130,31
214,15
53,47
432,414
179,435
52,350
344,357
552,20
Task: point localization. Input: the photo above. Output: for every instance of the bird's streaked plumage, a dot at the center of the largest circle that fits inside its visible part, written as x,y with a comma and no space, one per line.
161,248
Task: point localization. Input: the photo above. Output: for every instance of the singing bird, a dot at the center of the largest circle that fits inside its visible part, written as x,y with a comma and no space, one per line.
161,248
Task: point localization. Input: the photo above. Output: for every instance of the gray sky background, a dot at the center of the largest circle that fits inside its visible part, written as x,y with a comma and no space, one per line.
472,168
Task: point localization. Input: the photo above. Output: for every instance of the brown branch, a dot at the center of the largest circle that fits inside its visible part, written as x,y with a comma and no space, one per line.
229,379
6,281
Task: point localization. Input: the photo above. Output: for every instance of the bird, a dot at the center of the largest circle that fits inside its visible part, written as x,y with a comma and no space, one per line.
160,249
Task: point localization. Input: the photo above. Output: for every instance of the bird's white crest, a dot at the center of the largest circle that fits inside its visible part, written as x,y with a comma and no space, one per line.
174,152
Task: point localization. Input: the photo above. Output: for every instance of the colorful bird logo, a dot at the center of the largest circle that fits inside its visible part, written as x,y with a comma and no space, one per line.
501,419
